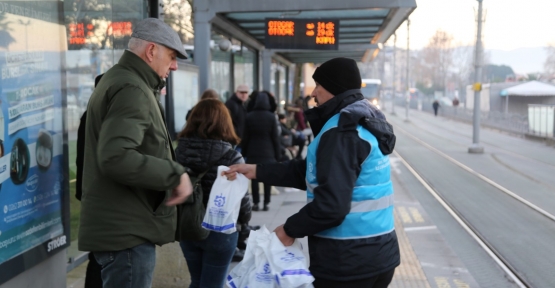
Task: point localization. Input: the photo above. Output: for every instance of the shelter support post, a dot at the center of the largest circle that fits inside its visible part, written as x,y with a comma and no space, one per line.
266,69
202,56
476,148
507,106
407,99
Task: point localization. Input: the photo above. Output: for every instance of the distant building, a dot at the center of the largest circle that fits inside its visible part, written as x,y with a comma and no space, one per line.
494,96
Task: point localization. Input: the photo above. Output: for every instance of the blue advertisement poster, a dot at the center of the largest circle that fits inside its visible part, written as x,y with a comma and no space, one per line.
31,128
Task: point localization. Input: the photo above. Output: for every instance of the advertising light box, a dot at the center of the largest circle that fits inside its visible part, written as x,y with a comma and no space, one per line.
314,34
33,188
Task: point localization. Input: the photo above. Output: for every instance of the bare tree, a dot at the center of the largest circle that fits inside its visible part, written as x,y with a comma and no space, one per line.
435,61
463,65
179,15
549,64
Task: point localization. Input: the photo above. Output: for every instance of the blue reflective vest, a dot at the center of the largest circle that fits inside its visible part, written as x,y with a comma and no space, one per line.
371,211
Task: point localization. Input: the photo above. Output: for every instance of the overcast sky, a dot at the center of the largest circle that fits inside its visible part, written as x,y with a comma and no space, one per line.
510,24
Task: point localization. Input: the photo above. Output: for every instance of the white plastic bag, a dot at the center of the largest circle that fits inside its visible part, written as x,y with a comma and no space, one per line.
288,263
267,263
224,203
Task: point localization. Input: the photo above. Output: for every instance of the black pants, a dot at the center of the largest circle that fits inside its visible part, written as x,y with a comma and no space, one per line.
378,281
93,278
255,191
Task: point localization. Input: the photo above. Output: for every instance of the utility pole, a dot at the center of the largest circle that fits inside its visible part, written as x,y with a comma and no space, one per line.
393,86
407,100
476,148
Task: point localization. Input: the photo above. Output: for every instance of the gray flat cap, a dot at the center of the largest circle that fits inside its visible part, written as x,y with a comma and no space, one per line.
155,30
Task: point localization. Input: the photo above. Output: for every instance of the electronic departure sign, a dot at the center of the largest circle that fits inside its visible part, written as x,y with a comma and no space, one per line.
314,34
79,32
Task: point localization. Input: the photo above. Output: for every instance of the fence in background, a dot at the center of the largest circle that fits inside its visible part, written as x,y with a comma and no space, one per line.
539,123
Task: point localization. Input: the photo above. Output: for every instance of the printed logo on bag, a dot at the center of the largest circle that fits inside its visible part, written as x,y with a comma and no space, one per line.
290,257
266,275
219,201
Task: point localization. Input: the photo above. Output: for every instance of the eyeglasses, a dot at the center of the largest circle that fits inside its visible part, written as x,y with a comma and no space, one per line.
243,92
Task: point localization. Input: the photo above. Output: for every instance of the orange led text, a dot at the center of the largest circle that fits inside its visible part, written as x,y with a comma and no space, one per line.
281,28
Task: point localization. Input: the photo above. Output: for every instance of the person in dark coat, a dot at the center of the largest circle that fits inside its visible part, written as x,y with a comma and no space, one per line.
435,105
207,142
348,217
237,110
261,140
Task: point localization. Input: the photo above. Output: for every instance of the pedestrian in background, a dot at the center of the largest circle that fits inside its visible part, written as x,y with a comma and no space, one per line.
456,103
236,106
131,182
261,140
205,143
349,216
435,105
290,138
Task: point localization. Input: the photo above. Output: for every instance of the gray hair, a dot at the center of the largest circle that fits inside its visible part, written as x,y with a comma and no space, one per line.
136,44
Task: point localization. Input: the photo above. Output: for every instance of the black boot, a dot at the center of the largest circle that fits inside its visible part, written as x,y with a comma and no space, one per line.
238,256
266,207
255,207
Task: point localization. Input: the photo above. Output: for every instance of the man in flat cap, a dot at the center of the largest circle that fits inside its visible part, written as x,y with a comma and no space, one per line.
130,182
346,174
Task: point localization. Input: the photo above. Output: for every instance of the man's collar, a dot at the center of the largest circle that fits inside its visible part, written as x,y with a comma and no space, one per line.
133,62
318,116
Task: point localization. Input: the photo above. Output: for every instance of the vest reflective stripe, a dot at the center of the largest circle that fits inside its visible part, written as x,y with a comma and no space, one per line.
369,205
362,225
371,212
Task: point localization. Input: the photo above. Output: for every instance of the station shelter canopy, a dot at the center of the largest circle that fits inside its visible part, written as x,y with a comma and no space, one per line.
364,25
532,88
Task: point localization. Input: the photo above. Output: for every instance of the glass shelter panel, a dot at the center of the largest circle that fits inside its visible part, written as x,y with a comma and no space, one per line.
244,61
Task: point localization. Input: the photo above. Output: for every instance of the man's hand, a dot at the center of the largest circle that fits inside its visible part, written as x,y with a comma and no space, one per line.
283,237
249,170
181,192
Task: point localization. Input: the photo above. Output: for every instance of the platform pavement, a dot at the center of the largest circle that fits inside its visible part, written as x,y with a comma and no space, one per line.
409,274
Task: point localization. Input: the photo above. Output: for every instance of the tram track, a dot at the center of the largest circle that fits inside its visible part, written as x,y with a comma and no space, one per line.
494,254
481,176
495,155
490,249
464,135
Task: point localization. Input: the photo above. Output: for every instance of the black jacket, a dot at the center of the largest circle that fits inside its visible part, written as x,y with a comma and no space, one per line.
197,154
339,158
238,114
260,142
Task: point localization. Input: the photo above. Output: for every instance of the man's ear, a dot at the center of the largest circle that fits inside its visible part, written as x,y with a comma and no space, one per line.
150,51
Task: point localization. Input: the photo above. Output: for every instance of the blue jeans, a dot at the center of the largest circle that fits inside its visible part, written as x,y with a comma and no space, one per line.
129,268
208,260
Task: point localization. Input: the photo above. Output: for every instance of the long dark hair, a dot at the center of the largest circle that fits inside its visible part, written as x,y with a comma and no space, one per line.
210,119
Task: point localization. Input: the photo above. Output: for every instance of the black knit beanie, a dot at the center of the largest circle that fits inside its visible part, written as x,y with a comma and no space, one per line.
338,75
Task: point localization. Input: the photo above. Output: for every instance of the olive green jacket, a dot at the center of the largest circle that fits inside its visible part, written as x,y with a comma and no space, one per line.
128,170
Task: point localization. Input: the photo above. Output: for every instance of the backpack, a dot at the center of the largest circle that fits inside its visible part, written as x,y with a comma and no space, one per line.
191,213
80,158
